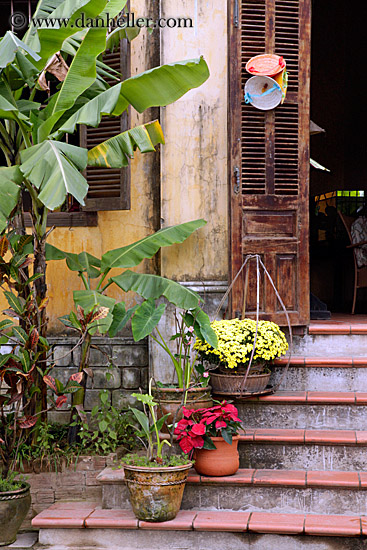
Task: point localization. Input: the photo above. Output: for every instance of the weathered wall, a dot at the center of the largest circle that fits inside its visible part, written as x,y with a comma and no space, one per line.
193,181
194,159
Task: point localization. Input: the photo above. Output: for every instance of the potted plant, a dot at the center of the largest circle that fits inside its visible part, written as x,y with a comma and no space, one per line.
17,386
155,481
211,435
242,343
192,387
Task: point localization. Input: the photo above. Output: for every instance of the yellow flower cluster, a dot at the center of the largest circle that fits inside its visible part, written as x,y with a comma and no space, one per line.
236,340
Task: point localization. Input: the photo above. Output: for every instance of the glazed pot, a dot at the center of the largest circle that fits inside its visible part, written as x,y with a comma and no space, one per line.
222,461
224,382
170,399
156,493
14,506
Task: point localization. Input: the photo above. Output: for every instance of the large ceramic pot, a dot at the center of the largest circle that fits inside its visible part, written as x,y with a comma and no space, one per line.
226,382
14,506
156,493
222,461
170,399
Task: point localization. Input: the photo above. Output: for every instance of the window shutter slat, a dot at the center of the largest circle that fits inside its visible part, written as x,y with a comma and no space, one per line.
109,188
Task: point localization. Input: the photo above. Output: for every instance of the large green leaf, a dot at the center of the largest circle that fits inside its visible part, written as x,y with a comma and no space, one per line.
10,180
9,46
10,111
164,85
48,38
203,327
133,254
157,87
146,318
106,103
54,168
90,300
83,64
115,152
153,286
120,318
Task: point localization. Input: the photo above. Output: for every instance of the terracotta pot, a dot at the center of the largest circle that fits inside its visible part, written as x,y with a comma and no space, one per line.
14,506
230,383
170,399
156,493
222,461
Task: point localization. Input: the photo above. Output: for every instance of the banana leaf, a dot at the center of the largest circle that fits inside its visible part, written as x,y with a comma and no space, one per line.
133,254
154,286
116,152
10,180
54,168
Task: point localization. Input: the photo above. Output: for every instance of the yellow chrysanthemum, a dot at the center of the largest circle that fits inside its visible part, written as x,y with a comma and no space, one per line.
236,340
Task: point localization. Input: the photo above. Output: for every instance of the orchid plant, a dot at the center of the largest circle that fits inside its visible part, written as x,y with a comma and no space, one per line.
196,429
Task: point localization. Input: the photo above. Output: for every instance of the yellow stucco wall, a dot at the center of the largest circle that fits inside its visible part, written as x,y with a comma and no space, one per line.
194,159
193,166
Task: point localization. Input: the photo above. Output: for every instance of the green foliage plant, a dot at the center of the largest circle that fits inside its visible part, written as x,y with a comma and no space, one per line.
36,120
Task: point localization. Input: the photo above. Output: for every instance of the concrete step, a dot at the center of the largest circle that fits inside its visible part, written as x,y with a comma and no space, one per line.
217,530
311,410
303,449
280,491
322,374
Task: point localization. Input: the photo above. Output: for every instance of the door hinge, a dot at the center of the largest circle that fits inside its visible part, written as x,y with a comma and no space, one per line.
236,14
236,187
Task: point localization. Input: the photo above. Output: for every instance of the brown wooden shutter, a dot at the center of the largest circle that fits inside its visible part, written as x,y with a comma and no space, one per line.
109,188
269,159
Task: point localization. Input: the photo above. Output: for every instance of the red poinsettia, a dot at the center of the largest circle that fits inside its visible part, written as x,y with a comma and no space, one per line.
196,428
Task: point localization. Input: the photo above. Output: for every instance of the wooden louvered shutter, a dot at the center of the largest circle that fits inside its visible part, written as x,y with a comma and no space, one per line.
269,159
109,188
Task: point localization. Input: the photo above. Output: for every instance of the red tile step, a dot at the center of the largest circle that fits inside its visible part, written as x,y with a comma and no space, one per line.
287,478
267,477
302,436
332,362
214,521
340,325
312,398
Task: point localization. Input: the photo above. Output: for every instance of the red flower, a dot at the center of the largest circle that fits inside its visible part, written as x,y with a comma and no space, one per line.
198,429
220,424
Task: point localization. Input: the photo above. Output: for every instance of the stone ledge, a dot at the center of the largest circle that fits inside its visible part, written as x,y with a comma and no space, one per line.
58,519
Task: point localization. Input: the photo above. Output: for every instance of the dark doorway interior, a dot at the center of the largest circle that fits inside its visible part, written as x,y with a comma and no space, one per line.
338,105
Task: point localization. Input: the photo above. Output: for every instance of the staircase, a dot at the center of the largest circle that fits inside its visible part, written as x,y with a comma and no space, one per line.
302,481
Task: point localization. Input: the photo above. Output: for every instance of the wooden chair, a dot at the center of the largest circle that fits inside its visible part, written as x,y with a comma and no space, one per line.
360,273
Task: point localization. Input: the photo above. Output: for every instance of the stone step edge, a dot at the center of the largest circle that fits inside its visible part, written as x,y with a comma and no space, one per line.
337,328
328,362
304,436
264,477
219,521
298,436
311,398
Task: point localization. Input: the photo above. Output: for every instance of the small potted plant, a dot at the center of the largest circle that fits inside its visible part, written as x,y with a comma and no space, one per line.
192,387
155,481
231,359
211,435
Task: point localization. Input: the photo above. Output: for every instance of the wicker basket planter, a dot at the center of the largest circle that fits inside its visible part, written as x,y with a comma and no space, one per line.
229,383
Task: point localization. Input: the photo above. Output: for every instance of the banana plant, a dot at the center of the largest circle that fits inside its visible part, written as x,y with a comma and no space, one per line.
35,122
95,311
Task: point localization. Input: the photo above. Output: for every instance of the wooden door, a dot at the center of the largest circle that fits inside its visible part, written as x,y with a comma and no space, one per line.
269,159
